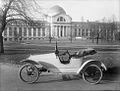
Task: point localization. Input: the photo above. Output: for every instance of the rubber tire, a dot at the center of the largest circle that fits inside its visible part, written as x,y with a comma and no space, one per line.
101,73
20,75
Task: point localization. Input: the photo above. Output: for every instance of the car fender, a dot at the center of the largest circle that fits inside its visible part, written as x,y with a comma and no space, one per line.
91,61
48,66
29,61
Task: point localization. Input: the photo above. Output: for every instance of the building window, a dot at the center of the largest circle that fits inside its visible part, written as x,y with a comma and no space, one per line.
15,31
34,31
29,32
20,31
25,31
75,32
10,31
39,32
65,31
43,32
83,32
86,32
58,31
61,19
61,31
58,19
79,32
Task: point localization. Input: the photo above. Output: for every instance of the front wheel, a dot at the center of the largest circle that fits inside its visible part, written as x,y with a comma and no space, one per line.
29,73
92,74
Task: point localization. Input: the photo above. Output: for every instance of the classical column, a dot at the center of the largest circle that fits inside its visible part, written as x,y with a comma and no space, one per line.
68,32
80,32
77,32
37,32
84,32
106,34
12,32
64,31
59,31
88,32
41,32
7,31
27,32
32,32
53,34
55,31
3,34
51,26
22,32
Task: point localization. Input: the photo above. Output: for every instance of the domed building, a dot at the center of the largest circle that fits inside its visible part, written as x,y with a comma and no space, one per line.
56,10
59,21
58,24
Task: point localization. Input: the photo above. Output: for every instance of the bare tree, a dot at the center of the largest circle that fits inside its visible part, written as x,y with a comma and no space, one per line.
113,27
10,10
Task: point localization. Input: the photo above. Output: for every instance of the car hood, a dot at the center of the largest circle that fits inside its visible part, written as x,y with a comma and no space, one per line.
47,60
43,57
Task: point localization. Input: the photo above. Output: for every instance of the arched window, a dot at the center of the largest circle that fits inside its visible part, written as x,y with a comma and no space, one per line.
25,31
61,19
86,32
30,31
75,32
58,19
34,31
10,31
39,31
79,32
82,32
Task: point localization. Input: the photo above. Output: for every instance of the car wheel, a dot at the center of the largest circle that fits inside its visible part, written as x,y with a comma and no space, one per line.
29,73
92,74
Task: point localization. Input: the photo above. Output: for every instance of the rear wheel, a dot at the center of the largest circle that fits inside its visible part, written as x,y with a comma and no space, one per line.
29,73
92,74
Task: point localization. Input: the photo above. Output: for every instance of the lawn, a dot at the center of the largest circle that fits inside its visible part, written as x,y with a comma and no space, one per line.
15,52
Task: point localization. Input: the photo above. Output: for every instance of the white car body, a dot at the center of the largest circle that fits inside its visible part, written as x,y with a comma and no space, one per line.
52,62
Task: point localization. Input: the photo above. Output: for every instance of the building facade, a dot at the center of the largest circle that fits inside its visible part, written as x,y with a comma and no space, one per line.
58,25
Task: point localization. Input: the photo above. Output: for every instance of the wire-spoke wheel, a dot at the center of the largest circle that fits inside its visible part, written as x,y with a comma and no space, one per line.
92,74
29,73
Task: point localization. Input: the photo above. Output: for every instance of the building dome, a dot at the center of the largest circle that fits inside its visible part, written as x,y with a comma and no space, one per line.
55,10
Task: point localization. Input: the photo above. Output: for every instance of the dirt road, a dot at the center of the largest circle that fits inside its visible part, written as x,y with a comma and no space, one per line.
10,82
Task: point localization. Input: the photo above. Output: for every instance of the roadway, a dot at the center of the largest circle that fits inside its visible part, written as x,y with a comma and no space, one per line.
10,80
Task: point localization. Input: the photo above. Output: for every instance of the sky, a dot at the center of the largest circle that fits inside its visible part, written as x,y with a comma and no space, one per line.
91,10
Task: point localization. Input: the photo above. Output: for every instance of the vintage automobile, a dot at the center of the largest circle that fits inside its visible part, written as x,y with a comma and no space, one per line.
65,63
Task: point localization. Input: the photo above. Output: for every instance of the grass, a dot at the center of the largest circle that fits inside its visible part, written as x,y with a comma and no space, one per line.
17,51
110,59
66,42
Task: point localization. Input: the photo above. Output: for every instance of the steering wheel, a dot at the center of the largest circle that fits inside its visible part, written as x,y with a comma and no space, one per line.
65,57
